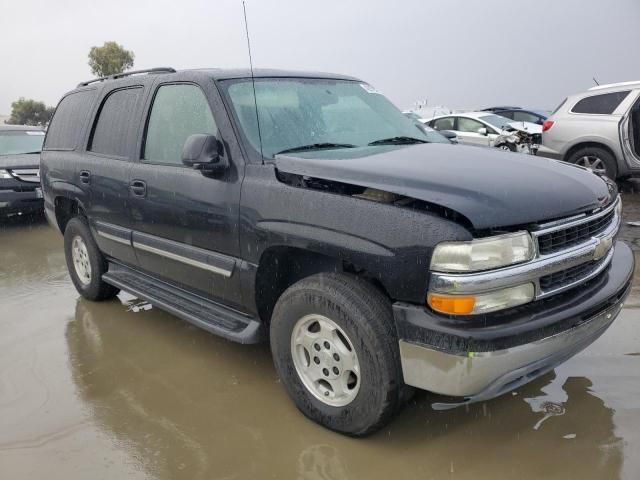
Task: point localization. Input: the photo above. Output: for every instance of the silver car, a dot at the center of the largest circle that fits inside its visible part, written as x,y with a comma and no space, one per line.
598,129
485,129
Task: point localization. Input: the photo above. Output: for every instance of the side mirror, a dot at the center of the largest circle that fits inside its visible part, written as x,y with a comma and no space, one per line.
483,131
204,152
449,135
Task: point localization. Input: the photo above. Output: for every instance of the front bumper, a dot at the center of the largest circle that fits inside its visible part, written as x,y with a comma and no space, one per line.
21,201
484,358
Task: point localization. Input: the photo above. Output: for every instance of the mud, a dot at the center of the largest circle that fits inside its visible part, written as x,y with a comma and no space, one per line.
121,390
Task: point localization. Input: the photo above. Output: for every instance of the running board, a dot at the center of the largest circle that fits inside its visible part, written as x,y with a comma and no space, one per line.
199,311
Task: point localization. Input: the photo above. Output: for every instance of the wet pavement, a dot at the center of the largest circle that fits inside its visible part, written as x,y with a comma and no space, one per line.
120,390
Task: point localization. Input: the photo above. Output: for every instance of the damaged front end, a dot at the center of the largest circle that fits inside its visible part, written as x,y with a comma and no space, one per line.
520,141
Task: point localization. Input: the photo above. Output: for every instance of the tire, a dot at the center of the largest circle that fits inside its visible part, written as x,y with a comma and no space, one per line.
507,147
364,320
87,277
601,160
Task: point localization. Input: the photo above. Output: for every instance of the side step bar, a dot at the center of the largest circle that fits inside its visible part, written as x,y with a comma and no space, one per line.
199,311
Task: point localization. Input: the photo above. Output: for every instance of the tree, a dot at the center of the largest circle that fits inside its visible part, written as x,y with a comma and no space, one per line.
109,59
29,112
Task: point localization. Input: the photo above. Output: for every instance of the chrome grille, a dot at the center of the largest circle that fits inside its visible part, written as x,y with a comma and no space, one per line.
567,237
577,230
567,277
27,174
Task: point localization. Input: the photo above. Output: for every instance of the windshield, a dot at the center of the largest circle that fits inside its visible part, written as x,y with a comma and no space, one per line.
496,120
14,142
319,113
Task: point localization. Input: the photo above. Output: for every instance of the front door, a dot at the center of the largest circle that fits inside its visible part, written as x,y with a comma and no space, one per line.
468,132
185,223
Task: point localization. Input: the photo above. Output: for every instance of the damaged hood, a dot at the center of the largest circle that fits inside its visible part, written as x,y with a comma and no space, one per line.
489,187
528,127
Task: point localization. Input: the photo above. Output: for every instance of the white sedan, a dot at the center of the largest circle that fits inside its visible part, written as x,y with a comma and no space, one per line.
485,129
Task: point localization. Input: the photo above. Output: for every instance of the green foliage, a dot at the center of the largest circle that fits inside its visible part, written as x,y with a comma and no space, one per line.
29,112
110,59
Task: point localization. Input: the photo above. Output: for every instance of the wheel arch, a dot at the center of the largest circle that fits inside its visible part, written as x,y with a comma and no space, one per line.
281,266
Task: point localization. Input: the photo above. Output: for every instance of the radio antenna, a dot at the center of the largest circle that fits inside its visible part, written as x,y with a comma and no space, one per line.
253,80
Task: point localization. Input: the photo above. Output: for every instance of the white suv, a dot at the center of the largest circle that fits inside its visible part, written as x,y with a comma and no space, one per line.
598,129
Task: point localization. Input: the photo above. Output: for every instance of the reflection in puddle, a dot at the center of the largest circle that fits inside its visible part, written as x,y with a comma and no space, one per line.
118,390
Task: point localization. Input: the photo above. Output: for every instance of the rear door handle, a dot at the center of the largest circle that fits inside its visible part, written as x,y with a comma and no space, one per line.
85,176
138,188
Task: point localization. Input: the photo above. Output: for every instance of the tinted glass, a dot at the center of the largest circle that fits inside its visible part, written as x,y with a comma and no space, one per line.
178,112
506,114
115,121
525,117
69,119
444,123
600,104
299,112
469,125
16,142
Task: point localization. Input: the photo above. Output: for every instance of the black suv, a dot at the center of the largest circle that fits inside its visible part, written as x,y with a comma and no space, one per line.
306,209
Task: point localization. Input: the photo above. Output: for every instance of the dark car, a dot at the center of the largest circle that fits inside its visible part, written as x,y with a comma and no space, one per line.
519,114
306,209
20,192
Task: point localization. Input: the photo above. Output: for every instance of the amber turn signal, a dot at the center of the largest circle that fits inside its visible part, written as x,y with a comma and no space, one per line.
452,304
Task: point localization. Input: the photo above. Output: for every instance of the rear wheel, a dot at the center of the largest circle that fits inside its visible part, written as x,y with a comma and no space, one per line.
336,351
597,159
85,262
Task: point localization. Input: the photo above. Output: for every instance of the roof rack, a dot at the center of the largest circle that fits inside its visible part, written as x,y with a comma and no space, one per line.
127,74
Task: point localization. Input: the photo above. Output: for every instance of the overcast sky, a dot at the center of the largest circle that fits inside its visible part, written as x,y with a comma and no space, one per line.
459,53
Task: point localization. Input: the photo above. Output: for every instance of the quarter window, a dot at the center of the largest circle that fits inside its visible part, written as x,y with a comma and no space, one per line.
525,117
178,111
111,132
68,121
604,104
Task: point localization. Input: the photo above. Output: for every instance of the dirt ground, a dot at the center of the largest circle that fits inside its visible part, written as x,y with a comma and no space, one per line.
121,390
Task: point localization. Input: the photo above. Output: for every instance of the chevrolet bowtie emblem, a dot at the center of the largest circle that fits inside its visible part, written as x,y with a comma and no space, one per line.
602,248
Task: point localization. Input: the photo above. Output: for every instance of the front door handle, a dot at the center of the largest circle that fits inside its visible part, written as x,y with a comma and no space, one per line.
85,177
138,188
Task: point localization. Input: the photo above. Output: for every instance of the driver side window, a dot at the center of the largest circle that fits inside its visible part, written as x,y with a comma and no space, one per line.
178,111
444,123
469,125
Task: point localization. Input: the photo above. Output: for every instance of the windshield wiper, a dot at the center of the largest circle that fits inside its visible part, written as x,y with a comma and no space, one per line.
31,153
401,140
316,146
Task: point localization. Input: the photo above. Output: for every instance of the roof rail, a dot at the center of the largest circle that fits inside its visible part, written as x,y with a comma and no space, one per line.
127,74
611,85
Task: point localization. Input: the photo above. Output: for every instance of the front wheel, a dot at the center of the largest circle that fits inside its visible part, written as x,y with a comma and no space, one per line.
507,147
85,262
336,351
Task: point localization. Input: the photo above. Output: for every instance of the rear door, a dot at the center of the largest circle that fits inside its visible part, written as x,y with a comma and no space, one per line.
105,169
185,223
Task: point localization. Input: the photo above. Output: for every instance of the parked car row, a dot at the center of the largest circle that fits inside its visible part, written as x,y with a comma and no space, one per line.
20,191
598,129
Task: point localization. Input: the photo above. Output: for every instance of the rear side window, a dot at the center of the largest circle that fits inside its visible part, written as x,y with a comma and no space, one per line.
178,112
112,130
600,104
66,125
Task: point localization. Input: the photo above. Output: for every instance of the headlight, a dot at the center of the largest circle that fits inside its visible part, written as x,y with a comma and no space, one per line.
482,303
483,253
5,174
